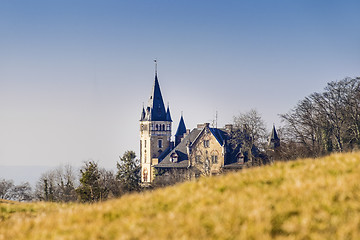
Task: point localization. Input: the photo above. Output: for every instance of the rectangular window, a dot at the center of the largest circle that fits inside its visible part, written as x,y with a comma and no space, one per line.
214,159
206,143
160,143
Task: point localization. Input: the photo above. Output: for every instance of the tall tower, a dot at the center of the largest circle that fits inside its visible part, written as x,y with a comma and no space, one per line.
155,132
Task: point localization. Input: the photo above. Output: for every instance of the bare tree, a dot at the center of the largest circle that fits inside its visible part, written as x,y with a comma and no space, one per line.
5,188
21,192
328,121
57,185
252,125
10,191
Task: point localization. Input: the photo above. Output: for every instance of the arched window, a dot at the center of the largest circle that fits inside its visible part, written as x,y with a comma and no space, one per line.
145,175
214,159
156,127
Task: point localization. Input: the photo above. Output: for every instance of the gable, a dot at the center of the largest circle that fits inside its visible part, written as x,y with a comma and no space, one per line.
206,140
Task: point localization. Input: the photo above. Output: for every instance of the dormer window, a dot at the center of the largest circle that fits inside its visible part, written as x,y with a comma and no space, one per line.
174,158
240,158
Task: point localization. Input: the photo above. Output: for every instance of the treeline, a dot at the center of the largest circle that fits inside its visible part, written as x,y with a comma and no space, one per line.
90,184
319,124
323,122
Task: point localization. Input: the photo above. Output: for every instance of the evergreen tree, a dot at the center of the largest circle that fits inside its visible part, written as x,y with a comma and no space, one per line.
90,189
128,172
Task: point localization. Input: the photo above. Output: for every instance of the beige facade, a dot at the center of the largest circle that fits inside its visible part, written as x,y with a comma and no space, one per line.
207,154
155,138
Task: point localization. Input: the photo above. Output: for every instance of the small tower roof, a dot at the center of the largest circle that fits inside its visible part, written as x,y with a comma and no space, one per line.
274,135
181,130
168,115
142,118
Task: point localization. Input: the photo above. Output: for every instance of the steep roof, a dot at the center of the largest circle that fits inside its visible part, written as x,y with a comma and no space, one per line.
181,130
274,135
155,110
219,134
274,140
181,151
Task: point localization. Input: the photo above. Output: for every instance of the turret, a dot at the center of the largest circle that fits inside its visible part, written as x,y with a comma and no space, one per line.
181,130
274,140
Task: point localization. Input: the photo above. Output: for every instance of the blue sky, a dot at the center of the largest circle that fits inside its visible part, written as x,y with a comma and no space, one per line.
74,74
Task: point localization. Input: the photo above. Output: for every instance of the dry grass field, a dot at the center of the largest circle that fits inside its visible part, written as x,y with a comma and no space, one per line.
305,199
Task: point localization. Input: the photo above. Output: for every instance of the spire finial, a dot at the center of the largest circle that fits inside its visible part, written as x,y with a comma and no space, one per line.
155,61
181,113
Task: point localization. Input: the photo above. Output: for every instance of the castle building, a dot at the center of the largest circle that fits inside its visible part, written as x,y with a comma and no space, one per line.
203,151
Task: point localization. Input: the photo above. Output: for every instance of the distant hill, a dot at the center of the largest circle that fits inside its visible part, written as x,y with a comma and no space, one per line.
304,199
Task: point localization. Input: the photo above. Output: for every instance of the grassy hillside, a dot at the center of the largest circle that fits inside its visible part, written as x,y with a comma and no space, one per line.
307,199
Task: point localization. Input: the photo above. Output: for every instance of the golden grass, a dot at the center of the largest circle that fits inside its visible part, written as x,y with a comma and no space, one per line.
305,199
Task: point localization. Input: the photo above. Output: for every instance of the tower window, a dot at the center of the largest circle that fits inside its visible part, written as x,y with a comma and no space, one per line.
145,175
145,143
160,143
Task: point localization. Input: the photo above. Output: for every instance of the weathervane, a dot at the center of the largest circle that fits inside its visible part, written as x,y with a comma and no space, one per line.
155,61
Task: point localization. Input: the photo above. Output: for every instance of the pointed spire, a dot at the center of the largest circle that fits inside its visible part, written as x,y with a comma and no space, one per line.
156,108
274,135
181,128
274,140
142,118
168,115
155,61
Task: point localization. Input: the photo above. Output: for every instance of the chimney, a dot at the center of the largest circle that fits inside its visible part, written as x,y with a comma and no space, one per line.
188,147
185,134
228,127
